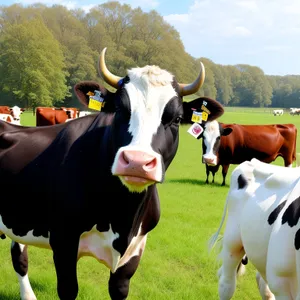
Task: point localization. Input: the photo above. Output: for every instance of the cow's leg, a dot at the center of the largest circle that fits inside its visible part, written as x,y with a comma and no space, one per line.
264,289
224,173
207,173
213,175
20,262
232,255
65,253
119,281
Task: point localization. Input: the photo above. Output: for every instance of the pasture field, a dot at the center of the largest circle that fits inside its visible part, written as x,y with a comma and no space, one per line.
176,264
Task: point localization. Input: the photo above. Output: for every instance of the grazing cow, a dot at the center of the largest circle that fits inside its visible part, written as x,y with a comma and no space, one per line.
11,115
114,158
263,213
278,112
225,144
46,116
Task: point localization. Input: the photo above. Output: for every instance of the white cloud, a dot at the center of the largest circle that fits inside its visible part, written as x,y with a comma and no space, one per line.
184,18
240,31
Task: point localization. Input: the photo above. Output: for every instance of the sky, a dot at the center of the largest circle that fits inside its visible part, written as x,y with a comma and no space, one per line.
263,33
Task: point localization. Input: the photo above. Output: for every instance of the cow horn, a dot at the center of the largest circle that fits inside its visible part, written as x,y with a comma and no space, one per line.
188,89
108,77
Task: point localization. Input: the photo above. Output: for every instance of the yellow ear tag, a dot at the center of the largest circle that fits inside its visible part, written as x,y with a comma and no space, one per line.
204,116
96,101
197,117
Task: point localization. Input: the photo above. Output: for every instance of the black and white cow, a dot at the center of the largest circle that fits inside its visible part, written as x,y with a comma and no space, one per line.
111,162
263,205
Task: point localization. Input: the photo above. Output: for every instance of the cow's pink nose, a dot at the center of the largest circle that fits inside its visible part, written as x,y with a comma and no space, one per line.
209,160
138,160
137,164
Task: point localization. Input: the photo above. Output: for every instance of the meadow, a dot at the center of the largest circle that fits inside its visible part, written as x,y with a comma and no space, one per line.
176,264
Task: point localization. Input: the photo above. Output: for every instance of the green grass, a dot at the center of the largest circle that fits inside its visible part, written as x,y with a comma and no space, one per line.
176,264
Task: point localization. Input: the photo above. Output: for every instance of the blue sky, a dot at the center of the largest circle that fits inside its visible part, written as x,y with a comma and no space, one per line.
264,33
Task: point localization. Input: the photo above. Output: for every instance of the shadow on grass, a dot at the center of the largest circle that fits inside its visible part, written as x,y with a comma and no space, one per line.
195,182
186,181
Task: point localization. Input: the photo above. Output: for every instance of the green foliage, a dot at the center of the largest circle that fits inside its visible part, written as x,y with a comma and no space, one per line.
46,50
32,64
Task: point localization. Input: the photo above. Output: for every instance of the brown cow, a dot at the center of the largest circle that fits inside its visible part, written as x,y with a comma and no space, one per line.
4,110
225,144
50,116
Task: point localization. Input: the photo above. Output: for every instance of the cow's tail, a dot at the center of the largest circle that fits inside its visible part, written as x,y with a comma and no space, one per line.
215,238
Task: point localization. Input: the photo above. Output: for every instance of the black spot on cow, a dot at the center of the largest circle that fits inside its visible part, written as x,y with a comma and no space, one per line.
242,182
297,240
274,214
292,213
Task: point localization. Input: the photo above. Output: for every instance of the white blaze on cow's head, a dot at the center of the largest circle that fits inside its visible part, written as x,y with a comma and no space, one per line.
211,141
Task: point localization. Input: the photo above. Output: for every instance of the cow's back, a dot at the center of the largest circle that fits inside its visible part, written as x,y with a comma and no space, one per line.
45,116
263,142
4,110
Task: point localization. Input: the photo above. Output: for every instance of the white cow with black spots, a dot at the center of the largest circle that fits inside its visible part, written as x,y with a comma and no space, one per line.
263,222
278,112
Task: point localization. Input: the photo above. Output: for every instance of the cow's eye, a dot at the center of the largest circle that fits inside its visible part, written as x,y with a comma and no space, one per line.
177,120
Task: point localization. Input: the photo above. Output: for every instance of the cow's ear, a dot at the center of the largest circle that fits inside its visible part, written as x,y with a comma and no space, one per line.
226,131
213,108
84,89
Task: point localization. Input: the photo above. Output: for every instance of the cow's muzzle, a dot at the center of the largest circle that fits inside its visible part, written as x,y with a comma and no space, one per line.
137,169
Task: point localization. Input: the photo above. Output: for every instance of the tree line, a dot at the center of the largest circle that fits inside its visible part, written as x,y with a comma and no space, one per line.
45,51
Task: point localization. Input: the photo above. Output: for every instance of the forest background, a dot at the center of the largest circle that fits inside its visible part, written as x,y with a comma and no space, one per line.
45,51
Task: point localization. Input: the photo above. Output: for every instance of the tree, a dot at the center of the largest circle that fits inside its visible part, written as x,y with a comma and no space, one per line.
32,67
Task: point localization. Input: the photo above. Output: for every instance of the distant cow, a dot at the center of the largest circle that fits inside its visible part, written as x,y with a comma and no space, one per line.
83,113
88,187
278,112
46,116
294,111
11,114
225,144
263,222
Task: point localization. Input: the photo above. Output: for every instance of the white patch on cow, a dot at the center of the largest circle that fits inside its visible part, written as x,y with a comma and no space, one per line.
210,134
28,239
92,243
7,118
100,246
84,113
25,287
149,91
268,245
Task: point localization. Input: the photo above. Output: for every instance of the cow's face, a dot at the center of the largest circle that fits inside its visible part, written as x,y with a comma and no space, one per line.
211,140
16,113
148,114
148,109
